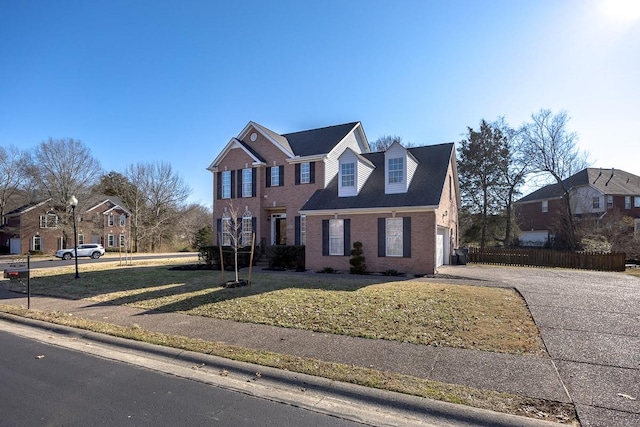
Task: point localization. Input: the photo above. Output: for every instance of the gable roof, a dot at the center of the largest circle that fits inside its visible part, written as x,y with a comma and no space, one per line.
425,189
116,201
318,141
26,208
606,181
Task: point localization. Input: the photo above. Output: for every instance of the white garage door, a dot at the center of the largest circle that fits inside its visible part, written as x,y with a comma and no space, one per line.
14,246
439,249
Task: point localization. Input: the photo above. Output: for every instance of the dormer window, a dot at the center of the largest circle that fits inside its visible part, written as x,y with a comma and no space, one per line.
395,170
348,175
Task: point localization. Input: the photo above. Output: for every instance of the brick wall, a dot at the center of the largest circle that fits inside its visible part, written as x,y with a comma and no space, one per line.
364,228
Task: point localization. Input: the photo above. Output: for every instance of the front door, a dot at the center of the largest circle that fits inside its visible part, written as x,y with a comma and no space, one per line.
280,237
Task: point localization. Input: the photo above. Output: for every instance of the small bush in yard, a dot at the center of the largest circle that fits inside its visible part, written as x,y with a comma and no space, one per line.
357,260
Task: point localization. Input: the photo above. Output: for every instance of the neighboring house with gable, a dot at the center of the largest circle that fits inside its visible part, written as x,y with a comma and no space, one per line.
274,182
38,226
593,193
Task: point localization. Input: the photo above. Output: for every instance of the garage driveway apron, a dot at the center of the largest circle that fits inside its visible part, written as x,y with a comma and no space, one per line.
590,324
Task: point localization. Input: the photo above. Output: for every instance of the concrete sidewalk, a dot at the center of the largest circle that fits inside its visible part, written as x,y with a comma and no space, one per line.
528,376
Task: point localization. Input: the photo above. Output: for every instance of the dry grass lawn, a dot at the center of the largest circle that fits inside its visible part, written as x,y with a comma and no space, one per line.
415,311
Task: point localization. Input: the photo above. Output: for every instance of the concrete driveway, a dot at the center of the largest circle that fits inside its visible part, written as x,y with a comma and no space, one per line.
590,324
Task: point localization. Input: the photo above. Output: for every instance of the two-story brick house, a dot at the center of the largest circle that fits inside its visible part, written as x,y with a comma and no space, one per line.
593,193
267,177
39,227
269,180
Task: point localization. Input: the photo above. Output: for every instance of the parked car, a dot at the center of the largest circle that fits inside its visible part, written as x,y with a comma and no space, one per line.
93,250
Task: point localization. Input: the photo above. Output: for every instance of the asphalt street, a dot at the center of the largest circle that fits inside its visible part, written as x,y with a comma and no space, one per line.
44,384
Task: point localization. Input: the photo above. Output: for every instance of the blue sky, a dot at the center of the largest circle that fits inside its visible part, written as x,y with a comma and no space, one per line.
173,81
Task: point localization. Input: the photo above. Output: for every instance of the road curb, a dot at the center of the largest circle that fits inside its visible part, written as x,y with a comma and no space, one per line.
345,400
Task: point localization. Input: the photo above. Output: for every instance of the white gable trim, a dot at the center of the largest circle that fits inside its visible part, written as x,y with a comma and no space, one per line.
233,143
261,129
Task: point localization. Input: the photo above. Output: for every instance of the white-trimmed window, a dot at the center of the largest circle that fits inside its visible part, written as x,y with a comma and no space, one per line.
545,206
348,174
275,176
226,184
303,230
122,240
394,237
36,243
595,204
609,202
336,237
627,202
49,220
111,240
636,202
123,220
247,182
395,170
110,220
226,231
247,228
305,174
81,239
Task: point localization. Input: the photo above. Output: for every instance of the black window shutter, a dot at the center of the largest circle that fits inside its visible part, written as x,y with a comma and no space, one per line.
268,180
233,180
347,237
253,183
281,173
406,237
382,237
312,172
297,230
219,185
297,173
218,231
254,222
325,237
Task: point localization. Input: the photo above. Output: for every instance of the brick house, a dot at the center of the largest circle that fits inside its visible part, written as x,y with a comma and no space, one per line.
593,194
277,184
38,226
401,204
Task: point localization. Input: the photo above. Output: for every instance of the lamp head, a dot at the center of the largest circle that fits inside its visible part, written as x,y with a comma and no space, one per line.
73,202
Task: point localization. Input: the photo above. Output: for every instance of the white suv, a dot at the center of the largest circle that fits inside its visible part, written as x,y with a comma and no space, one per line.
93,250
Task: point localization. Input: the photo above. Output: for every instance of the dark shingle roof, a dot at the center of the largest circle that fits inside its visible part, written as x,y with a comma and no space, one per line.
607,181
425,189
318,141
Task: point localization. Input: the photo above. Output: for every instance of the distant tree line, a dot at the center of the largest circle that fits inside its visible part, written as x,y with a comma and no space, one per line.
155,194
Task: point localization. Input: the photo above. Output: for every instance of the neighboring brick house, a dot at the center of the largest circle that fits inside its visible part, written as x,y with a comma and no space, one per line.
267,178
593,193
38,227
401,204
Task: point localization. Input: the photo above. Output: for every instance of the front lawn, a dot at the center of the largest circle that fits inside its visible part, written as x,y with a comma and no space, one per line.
416,311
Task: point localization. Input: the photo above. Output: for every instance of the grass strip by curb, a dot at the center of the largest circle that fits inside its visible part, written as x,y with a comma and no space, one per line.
485,399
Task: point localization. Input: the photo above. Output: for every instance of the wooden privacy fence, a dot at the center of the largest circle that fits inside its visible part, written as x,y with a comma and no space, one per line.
548,258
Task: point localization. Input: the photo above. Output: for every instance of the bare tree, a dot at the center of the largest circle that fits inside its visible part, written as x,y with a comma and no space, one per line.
553,150
13,175
156,195
385,141
63,168
513,173
193,218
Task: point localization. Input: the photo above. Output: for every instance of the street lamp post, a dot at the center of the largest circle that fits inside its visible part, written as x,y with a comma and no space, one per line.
74,202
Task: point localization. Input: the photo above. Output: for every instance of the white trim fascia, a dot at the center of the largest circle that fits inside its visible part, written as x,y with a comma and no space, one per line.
333,150
360,129
259,128
304,159
365,211
232,144
29,208
538,200
359,157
